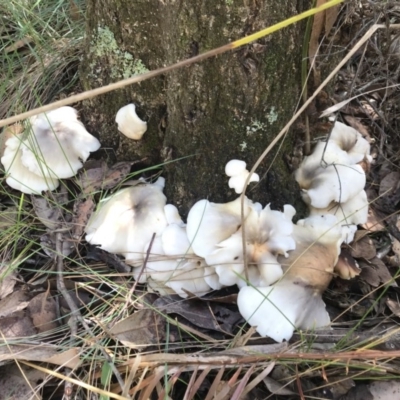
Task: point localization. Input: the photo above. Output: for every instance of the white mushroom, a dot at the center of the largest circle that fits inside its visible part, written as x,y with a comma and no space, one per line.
236,169
125,223
129,123
268,234
295,300
18,176
276,311
338,183
189,278
353,211
351,141
210,223
57,144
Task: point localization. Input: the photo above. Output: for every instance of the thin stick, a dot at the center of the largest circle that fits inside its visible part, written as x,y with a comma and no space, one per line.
139,78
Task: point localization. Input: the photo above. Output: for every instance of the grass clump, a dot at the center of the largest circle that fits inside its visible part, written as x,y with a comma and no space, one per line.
41,44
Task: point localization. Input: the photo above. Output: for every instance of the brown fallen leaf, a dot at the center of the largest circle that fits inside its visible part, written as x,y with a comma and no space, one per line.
143,328
212,316
101,177
363,248
7,280
41,352
376,273
359,126
49,213
82,211
43,311
394,306
17,324
16,301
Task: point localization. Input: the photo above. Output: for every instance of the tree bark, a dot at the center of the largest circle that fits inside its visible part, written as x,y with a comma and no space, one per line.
227,107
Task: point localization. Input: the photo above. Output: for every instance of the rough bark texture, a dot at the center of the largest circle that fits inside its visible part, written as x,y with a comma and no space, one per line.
228,107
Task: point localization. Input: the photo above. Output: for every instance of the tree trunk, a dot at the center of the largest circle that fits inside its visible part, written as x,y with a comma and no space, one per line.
227,107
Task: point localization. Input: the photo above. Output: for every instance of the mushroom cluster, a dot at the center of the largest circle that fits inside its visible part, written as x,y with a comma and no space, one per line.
53,146
332,178
332,181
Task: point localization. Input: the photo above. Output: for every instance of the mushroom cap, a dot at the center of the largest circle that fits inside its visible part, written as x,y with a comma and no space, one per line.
318,239
210,223
324,154
351,141
159,266
129,123
338,183
212,279
353,211
268,233
18,176
57,144
172,215
189,278
235,167
125,223
175,241
238,182
277,310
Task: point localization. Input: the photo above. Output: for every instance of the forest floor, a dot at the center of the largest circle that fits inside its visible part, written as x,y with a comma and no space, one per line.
59,336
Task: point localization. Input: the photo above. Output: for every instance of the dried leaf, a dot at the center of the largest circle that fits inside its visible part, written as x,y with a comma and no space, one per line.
211,316
394,307
358,126
7,280
102,177
277,388
143,328
43,311
40,352
363,248
322,21
376,273
17,382
389,184
16,301
50,216
82,211
17,325
48,244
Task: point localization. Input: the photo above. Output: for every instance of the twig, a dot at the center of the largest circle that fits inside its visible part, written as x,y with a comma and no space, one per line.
75,313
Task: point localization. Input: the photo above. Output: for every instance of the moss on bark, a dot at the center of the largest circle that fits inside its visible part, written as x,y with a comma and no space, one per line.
228,107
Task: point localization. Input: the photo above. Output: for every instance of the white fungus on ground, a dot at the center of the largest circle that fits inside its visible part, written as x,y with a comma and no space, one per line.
295,300
236,170
125,223
129,123
53,147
